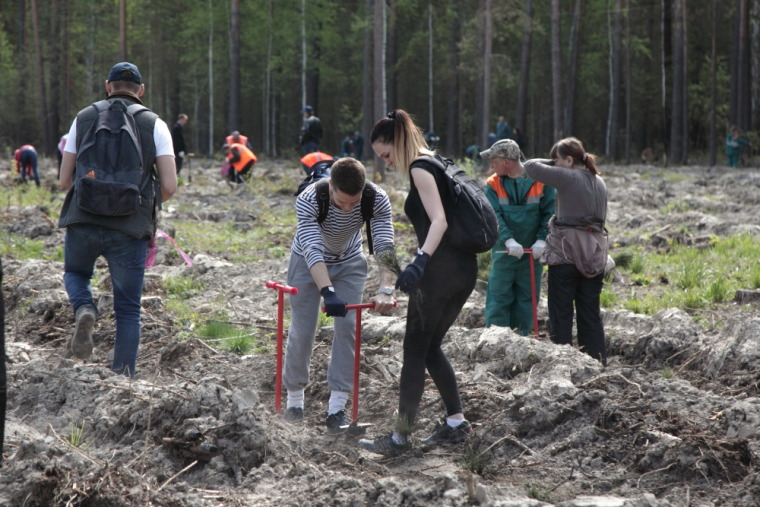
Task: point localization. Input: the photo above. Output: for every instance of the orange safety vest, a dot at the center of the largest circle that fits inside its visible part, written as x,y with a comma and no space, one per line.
241,139
312,158
535,193
246,155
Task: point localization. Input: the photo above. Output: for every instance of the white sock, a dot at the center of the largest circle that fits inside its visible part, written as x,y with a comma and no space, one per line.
295,399
454,422
337,402
398,439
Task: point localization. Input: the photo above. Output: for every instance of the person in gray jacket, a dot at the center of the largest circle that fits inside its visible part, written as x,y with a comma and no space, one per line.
576,247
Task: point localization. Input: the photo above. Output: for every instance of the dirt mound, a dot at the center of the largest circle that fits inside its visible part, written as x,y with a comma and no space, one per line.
674,419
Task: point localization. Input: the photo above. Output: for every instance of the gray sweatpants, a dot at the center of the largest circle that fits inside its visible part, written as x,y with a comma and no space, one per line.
348,279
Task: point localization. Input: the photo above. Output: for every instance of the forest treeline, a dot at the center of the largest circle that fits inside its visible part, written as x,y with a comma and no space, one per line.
623,75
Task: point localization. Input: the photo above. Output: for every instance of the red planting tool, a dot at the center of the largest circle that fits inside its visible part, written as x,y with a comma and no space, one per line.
281,290
357,357
532,287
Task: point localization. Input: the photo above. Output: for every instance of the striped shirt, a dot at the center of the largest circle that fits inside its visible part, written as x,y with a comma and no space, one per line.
339,237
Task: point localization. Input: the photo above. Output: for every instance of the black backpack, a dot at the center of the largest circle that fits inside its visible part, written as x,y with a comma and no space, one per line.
473,226
319,173
109,174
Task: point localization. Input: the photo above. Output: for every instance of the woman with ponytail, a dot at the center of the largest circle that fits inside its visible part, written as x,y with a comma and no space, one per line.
439,281
576,247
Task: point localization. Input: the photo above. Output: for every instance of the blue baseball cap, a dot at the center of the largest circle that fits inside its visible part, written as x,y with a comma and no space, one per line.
307,109
125,71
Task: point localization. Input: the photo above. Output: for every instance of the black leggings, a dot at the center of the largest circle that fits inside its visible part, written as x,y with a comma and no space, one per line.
445,288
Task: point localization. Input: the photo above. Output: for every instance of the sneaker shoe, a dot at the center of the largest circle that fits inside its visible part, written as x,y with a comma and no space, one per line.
383,445
337,422
81,343
445,434
294,414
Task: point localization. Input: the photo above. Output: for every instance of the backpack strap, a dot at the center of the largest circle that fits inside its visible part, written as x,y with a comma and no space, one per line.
367,206
323,199
368,211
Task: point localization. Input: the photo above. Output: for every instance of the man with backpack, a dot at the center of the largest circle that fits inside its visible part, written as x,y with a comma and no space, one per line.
327,265
118,166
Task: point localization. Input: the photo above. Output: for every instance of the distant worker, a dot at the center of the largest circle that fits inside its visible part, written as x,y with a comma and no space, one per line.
347,147
26,163
236,137
242,160
178,139
59,152
308,160
503,130
358,145
473,152
735,140
519,138
311,131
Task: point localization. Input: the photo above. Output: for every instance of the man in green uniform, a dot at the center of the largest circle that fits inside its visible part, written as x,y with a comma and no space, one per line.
523,208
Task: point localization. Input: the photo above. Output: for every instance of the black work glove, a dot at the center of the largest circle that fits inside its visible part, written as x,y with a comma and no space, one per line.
334,306
409,279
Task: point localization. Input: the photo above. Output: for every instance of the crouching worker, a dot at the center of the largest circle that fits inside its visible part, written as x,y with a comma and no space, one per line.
242,160
94,227
328,267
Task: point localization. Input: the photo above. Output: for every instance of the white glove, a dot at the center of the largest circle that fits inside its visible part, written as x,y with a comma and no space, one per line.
538,248
610,265
515,248
181,154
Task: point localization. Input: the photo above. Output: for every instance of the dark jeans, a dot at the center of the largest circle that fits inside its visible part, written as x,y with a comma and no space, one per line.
83,244
28,159
309,147
569,290
444,290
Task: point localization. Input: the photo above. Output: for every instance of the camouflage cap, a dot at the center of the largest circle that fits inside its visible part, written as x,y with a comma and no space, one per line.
505,148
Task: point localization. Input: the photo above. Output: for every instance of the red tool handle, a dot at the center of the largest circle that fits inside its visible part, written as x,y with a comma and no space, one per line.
281,290
533,290
282,287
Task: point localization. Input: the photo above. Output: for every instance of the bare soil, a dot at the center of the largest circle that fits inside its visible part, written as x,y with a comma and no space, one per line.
673,420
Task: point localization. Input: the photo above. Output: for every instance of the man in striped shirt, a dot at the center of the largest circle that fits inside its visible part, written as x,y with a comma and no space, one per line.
327,262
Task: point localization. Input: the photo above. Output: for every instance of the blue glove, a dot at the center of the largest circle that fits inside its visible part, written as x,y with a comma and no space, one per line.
334,306
409,279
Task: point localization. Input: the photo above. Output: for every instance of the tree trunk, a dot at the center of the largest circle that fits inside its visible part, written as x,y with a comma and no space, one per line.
483,119
665,66
521,115
379,75
431,119
211,115
123,30
368,117
453,140
269,120
713,158
43,106
613,117
57,44
233,116
391,55
677,133
628,82
743,74
558,133
572,67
